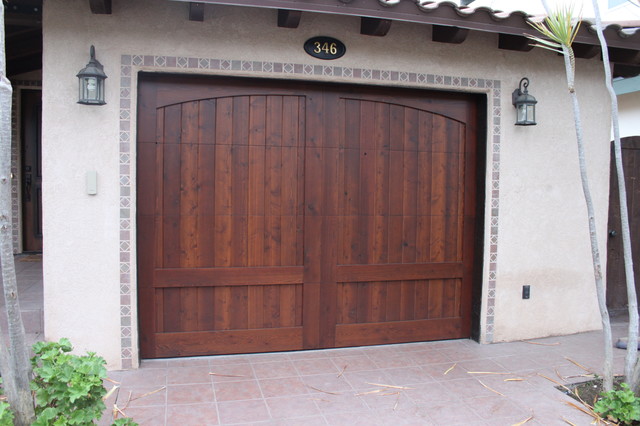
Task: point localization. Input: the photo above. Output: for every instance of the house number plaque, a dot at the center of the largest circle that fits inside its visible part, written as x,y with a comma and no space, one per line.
325,48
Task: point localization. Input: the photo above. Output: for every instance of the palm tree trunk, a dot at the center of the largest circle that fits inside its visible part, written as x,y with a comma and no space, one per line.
607,374
14,359
631,359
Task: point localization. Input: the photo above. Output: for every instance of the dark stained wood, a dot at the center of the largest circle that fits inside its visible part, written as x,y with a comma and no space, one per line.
31,184
224,342
400,271
395,332
453,35
616,277
102,7
374,26
624,56
211,277
289,18
271,216
196,11
586,51
514,42
626,71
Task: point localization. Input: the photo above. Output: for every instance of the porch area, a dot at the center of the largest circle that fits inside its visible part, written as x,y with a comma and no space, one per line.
428,383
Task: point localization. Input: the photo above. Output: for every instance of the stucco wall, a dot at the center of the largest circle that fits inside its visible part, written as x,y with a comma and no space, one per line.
539,237
629,107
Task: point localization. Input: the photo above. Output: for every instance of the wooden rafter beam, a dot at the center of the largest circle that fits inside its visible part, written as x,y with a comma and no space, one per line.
514,42
624,56
196,11
453,35
625,71
289,18
374,26
100,7
585,51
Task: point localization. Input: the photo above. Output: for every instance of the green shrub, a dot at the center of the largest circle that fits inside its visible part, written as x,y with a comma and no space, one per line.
6,415
619,405
68,388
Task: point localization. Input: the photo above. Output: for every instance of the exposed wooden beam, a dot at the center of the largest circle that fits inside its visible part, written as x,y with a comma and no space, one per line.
196,11
100,7
444,34
514,42
24,64
585,51
625,71
624,56
289,18
374,26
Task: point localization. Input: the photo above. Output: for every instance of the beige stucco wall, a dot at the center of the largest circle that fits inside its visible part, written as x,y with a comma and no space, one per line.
629,107
543,239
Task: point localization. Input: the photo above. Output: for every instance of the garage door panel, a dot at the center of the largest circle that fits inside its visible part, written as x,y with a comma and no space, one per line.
398,332
286,216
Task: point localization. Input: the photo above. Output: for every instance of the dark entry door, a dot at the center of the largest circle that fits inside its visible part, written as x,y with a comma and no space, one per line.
280,216
31,185
616,285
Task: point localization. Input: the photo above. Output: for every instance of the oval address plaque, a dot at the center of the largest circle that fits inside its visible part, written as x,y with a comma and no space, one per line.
325,48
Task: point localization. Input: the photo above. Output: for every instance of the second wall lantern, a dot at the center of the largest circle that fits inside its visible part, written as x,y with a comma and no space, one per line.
525,104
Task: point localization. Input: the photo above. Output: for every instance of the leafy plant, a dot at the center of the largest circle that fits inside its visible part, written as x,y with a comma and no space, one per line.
6,415
68,388
620,405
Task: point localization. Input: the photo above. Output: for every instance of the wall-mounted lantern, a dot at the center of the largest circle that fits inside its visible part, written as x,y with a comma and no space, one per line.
525,104
91,82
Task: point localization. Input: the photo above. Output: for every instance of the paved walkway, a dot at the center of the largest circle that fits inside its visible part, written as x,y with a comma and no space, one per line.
457,382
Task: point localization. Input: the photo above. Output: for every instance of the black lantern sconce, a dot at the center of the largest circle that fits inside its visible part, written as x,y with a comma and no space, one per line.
91,82
525,104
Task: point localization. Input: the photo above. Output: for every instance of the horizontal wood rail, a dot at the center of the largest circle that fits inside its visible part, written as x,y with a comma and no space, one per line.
228,342
399,272
212,277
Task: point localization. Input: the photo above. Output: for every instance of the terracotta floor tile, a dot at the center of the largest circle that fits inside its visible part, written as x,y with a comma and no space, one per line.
187,375
339,403
142,396
446,371
452,414
273,388
231,372
407,376
354,363
495,407
430,393
315,366
272,370
237,391
218,360
188,362
327,383
243,411
292,406
423,357
361,379
301,421
192,415
190,394
147,416
145,377
392,360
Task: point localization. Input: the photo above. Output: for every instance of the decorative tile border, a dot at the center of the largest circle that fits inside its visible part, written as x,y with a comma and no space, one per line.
130,64
16,208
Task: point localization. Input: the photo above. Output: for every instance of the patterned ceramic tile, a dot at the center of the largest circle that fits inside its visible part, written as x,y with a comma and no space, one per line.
162,63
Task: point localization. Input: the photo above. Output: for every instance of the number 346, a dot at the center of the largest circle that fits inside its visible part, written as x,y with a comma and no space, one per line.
326,47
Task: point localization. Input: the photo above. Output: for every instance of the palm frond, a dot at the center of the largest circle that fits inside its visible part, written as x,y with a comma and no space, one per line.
560,27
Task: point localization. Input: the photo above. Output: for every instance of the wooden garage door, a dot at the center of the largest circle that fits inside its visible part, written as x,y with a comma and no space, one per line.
278,216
